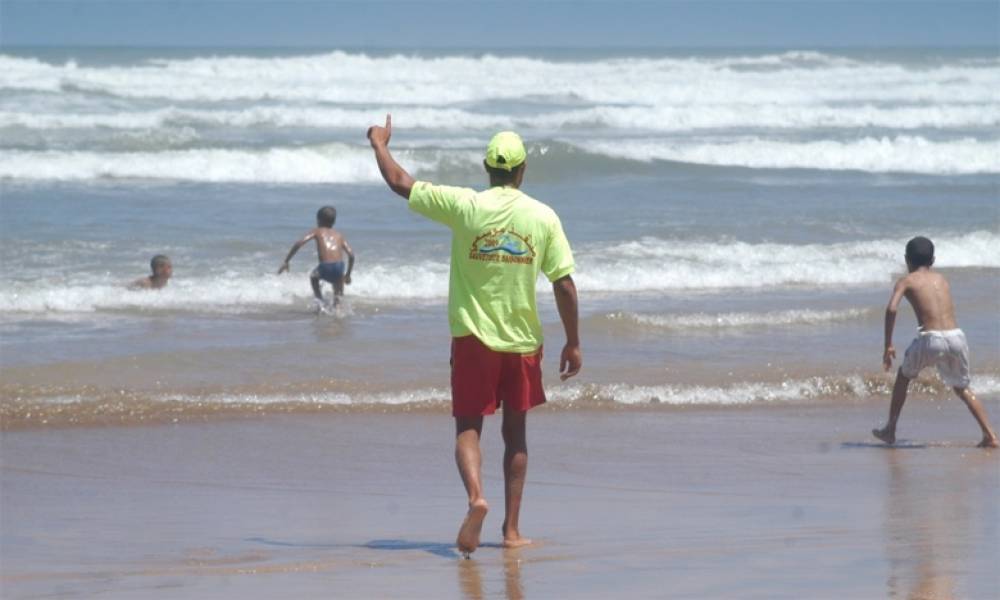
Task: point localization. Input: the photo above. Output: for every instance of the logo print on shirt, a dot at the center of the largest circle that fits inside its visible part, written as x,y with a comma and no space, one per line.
503,246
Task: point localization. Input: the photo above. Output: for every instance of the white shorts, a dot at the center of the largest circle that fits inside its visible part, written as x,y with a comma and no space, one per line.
947,350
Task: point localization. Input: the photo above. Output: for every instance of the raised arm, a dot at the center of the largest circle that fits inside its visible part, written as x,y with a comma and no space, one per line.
295,248
889,353
395,176
350,261
571,359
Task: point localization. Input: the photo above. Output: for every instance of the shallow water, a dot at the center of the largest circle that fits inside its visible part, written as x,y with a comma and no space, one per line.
737,220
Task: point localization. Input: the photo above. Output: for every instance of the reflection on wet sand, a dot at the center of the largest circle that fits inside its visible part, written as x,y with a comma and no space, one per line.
512,574
470,577
927,521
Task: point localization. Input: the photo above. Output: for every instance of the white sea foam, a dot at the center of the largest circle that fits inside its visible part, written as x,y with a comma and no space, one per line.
342,399
225,292
737,394
648,264
329,163
751,392
748,393
407,80
903,154
738,320
344,163
665,118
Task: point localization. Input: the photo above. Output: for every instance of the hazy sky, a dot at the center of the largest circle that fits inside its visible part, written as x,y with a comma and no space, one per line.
500,23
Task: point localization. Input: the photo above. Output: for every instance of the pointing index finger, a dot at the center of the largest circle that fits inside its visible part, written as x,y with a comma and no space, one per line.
388,121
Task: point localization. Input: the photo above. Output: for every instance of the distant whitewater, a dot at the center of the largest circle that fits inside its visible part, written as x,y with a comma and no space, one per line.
301,119
645,265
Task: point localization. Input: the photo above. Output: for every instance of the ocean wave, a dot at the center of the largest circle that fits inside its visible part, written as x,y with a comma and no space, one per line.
648,264
347,163
735,320
227,292
327,163
661,118
91,406
901,154
341,77
651,264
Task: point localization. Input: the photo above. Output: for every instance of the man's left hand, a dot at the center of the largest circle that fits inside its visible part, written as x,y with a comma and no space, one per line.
570,362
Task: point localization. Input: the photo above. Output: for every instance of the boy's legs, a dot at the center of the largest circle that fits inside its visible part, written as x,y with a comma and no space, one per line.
515,468
338,290
976,408
469,459
888,433
314,281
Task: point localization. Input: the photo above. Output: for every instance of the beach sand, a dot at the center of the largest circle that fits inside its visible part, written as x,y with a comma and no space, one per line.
791,501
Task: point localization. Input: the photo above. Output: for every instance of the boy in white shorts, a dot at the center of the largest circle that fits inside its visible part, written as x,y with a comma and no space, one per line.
940,342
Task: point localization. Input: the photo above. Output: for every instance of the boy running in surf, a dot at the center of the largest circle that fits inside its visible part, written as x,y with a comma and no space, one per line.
330,247
939,342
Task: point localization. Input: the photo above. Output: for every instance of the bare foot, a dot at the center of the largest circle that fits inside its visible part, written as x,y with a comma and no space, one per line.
885,435
515,541
468,534
989,441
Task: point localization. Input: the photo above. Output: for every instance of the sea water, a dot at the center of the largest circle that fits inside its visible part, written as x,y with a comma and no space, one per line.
737,218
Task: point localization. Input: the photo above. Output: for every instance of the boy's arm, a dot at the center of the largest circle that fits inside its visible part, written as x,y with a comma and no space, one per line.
295,248
889,353
571,359
394,175
350,260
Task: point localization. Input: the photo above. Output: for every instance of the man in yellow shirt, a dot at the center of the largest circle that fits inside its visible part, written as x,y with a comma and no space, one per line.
501,239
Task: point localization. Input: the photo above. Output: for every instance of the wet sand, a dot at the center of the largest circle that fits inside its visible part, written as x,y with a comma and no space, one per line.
766,502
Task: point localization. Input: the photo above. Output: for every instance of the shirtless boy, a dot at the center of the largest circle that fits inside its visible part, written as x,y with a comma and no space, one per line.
330,247
939,342
161,269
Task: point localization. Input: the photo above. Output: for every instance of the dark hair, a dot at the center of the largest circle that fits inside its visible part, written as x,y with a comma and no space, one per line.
503,176
326,216
158,261
920,252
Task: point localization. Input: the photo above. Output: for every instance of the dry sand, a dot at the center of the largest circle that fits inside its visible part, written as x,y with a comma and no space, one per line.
774,502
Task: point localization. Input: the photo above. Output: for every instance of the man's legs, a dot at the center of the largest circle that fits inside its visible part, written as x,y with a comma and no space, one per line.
977,410
515,469
470,462
888,433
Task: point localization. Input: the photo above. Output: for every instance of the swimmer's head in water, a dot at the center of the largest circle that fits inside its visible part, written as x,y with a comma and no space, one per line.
160,266
920,252
326,216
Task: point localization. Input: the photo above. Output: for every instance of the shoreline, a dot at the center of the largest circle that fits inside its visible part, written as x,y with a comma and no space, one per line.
27,408
720,503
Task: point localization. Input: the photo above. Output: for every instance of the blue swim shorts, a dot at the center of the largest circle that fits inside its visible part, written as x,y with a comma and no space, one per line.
330,272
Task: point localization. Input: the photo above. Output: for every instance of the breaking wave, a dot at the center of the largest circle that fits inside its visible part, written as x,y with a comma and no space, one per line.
124,407
648,264
735,320
346,163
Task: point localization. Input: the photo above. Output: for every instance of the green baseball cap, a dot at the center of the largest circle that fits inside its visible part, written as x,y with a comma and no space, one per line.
505,151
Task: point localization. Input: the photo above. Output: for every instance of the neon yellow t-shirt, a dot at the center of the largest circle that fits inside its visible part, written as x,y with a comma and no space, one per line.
501,239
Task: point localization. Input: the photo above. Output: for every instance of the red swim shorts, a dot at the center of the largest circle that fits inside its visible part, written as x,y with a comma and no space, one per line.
482,379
